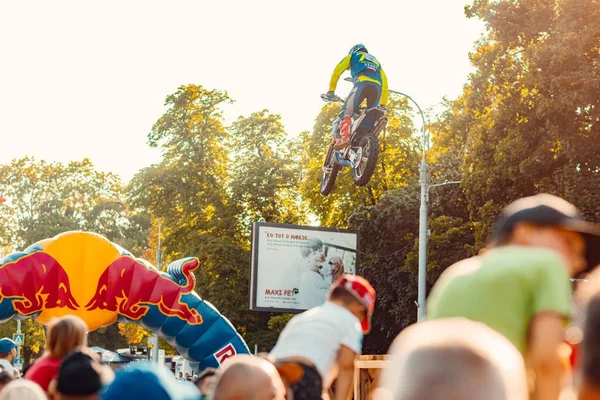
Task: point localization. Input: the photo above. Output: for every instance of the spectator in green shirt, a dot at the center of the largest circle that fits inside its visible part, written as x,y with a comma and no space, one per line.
520,287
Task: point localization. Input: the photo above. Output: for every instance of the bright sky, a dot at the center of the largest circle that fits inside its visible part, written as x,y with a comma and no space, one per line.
89,78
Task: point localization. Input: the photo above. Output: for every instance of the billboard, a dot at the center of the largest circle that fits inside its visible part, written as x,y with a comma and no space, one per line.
293,266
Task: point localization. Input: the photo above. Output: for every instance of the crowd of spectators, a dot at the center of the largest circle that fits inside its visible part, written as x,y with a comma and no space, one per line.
506,324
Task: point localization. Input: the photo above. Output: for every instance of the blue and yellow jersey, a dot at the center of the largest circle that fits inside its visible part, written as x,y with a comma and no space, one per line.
363,67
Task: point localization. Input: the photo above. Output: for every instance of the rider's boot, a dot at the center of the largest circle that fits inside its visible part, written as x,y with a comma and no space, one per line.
344,141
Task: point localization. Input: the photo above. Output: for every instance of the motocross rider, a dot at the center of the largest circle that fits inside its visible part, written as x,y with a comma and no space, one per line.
370,83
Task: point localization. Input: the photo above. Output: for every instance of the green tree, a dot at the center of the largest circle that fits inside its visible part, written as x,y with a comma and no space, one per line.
49,198
189,194
265,186
533,106
524,124
187,190
265,175
108,337
120,224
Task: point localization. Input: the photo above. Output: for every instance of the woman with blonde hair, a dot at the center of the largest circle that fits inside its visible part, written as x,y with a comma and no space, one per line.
65,334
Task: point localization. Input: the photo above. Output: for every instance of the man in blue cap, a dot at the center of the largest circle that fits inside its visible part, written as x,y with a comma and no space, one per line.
8,353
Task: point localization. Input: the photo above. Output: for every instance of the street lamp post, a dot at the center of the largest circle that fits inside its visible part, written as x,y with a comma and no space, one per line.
423,231
424,182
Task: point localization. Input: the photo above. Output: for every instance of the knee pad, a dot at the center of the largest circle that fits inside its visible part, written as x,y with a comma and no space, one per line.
345,126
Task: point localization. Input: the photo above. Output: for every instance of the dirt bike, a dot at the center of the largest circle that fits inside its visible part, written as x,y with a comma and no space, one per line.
361,154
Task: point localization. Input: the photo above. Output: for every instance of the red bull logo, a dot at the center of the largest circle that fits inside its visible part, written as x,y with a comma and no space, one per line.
128,287
84,274
36,282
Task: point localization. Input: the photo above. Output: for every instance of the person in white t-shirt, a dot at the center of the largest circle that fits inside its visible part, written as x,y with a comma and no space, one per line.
8,352
325,340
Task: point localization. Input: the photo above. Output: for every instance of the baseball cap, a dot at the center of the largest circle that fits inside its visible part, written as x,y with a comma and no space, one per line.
78,375
362,290
546,209
149,382
6,345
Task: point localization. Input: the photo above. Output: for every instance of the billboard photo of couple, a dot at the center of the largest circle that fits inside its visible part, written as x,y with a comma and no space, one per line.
293,267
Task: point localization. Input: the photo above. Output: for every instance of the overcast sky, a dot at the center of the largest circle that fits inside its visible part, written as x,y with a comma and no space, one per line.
89,78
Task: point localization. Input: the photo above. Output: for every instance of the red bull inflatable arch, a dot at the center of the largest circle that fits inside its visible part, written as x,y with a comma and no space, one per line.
84,274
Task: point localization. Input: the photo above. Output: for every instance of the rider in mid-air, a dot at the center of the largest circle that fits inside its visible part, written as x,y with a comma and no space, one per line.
370,83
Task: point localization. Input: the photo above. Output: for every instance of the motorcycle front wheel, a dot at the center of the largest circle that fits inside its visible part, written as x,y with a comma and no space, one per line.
330,171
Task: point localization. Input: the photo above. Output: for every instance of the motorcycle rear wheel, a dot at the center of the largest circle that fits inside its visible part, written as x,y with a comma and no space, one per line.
362,173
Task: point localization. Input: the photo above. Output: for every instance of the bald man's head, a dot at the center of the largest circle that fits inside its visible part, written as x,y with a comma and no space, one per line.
453,359
249,378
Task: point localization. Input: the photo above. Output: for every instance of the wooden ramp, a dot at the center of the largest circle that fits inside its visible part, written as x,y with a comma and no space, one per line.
366,375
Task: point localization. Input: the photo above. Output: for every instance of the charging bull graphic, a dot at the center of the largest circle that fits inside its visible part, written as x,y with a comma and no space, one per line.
84,274
34,282
134,286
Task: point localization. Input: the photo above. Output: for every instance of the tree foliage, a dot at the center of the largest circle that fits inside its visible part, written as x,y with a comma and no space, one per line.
266,171
533,105
109,337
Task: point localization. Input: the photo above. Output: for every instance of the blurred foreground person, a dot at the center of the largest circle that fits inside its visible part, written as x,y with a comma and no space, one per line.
80,377
452,359
520,286
65,334
205,382
22,389
5,378
245,377
589,353
290,373
148,381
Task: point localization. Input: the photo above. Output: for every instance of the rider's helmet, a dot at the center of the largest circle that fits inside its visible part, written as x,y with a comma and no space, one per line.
359,47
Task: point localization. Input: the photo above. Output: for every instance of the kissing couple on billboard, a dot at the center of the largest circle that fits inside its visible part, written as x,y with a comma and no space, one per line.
314,273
